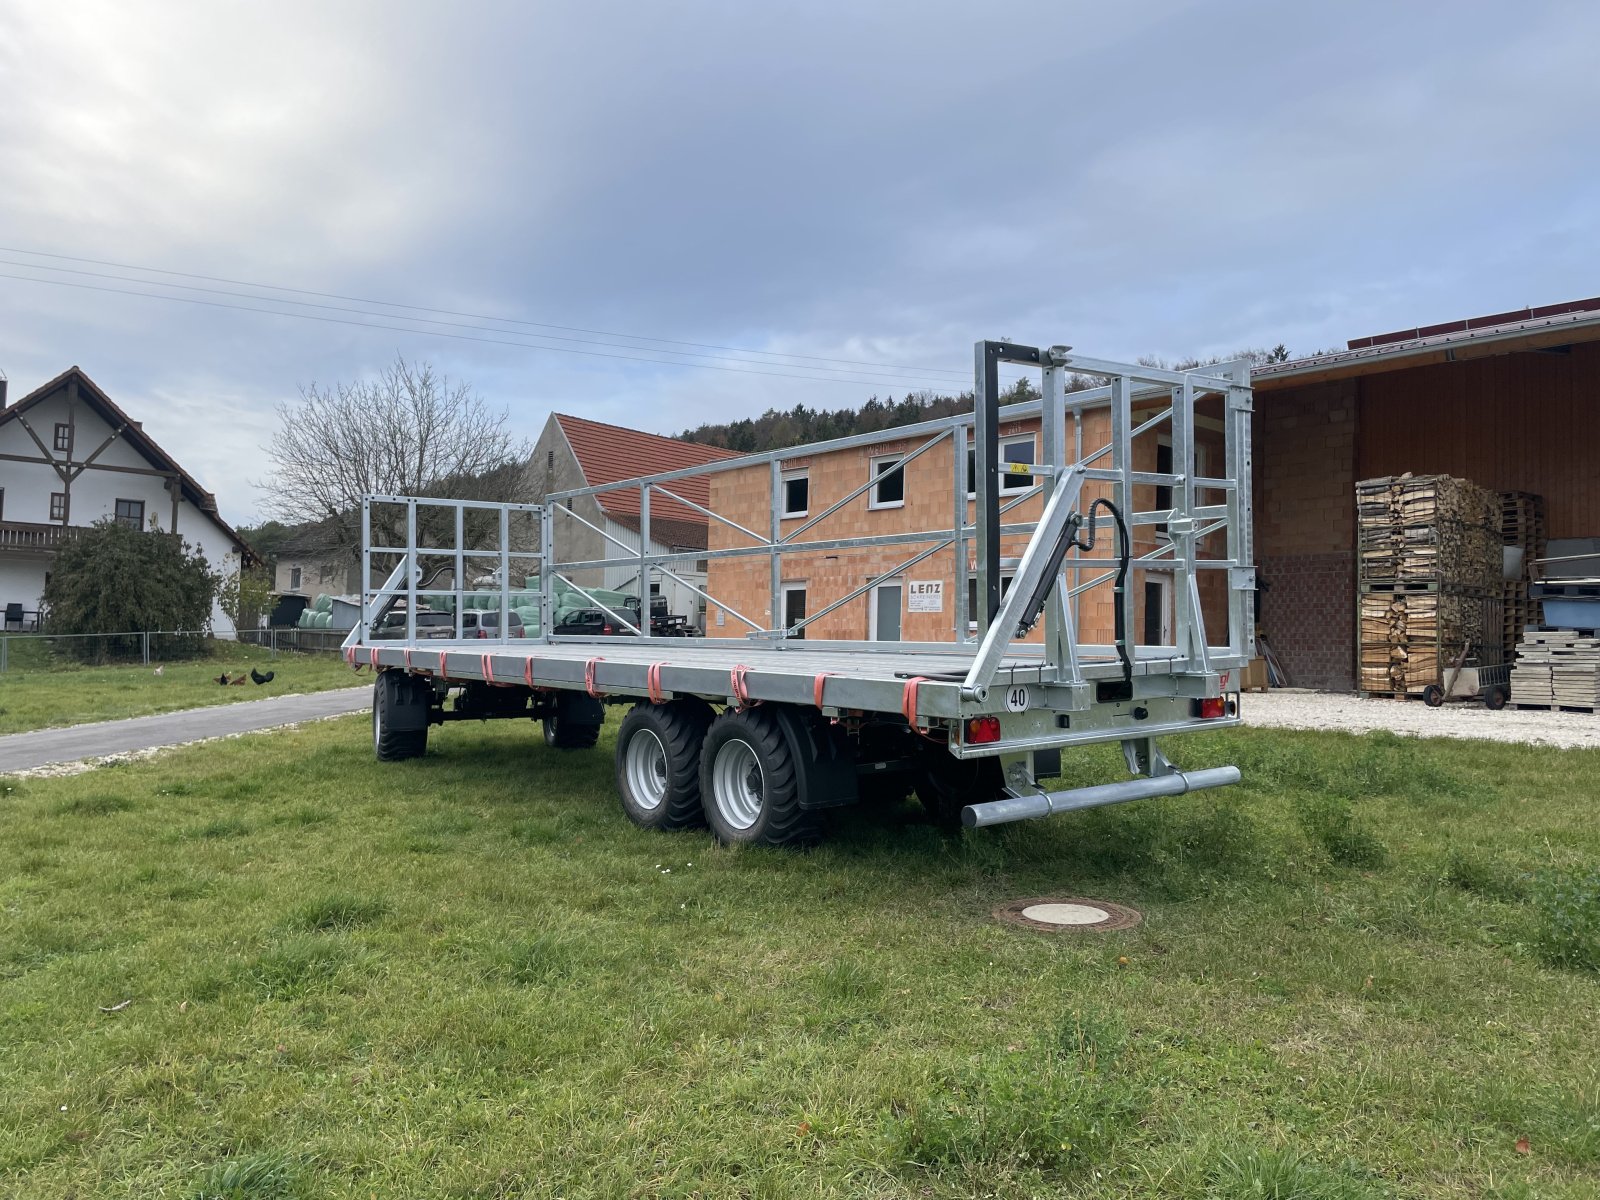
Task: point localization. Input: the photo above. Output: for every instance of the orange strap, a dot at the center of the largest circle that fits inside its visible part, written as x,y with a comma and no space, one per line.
488,670
817,685
408,658
588,677
908,700
652,684
350,656
527,672
741,688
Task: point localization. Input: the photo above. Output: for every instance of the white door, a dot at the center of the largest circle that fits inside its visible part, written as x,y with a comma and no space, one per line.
887,599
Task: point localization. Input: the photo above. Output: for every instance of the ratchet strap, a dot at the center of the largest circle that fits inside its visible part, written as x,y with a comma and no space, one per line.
588,677
527,671
908,700
817,685
652,683
738,678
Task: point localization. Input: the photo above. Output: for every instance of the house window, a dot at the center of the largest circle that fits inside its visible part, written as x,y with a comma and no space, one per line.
294,579
975,617
889,490
1163,490
2,504
1013,450
63,436
130,513
794,607
550,460
796,493
58,506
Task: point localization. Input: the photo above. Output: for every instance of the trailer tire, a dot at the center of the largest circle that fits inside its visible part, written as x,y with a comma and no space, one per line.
947,784
575,725
391,691
658,763
1495,698
748,783
1433,695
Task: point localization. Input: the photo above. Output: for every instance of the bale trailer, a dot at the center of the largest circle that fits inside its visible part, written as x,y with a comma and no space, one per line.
756,735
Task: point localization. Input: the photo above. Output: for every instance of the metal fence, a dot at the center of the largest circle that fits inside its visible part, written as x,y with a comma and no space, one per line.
47,651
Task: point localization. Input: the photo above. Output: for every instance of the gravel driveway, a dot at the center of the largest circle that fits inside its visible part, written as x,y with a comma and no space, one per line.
1295,709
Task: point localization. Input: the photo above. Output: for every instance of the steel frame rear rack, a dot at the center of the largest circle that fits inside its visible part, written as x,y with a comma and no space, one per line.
972,724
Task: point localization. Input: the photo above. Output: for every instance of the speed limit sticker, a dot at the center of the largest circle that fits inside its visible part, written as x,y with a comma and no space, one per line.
1017,698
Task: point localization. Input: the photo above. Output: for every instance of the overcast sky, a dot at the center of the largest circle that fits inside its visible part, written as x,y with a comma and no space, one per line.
883,183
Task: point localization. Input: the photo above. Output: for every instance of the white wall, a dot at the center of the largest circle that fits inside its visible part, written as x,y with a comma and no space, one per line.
95,492
680,600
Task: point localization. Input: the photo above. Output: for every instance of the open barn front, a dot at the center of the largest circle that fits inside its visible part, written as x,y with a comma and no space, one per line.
1508,403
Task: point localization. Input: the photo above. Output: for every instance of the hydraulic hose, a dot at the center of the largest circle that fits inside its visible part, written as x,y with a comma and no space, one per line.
1124,556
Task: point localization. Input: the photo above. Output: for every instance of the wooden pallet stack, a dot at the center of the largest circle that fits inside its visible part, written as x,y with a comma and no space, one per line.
1429,567
1557,668
1521,525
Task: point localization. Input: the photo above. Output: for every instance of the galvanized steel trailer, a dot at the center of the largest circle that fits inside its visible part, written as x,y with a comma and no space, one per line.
972,724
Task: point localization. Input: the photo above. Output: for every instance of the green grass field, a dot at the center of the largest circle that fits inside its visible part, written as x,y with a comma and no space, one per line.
1368,971
42,692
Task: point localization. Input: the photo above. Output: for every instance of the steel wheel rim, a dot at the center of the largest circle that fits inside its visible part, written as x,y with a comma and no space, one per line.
549,731
377,728
645,767
738,783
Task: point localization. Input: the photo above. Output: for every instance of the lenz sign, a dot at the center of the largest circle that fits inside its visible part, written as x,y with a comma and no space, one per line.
925,595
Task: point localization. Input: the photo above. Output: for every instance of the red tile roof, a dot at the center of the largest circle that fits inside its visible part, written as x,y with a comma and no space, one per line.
608,453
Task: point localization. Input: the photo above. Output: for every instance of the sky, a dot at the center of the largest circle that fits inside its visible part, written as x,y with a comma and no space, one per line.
822,201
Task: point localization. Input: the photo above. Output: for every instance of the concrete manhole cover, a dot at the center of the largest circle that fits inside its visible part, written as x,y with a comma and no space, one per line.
1068,915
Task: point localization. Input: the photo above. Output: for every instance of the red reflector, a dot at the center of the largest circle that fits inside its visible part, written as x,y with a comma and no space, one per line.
1216,706
983,729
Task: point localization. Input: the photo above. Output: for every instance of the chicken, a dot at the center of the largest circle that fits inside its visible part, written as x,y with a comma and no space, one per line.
222,679
257,678
238,681
160,670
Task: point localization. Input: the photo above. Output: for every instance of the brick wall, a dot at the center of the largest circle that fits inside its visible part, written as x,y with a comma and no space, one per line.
1305,529
745,496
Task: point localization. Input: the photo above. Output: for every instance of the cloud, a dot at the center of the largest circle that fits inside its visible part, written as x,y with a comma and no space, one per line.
884,183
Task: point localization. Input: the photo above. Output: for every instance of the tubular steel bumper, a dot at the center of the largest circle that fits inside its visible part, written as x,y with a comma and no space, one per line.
1046,804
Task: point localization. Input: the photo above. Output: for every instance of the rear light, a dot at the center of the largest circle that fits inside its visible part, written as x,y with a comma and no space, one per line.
483,633
983,729
1211,708
607,630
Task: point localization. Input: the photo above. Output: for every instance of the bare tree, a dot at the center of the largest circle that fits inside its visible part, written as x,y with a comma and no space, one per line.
409,432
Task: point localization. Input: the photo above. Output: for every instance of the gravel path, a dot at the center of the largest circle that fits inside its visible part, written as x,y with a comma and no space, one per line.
43,747
1295,709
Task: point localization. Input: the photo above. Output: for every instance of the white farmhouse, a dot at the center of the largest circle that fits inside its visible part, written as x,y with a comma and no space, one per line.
70,457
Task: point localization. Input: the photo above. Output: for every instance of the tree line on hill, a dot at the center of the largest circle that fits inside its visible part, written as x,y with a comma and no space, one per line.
777,429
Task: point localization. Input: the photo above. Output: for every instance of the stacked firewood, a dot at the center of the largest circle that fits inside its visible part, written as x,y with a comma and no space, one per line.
1404,634
1428,527
1430,558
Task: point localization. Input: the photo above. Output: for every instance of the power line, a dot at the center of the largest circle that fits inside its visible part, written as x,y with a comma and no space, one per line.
921,371
894,376
299,316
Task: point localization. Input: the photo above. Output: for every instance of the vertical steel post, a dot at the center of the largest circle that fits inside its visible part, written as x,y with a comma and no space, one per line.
547,574
986,414
505,573
145,638
1179,525
409,563
776,531
1122,488
644,558
460,567
366,570
4,645
1053,435
1241,501
958,576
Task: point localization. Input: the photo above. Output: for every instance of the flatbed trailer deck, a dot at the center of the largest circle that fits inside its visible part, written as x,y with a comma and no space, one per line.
972,724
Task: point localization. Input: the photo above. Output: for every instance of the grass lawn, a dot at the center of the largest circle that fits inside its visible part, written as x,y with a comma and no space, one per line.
41,693
467,976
